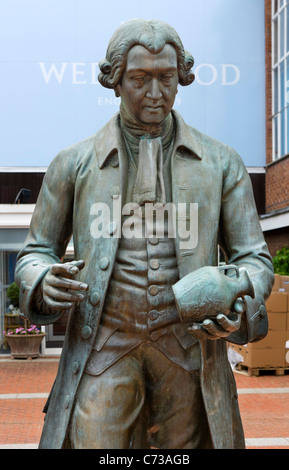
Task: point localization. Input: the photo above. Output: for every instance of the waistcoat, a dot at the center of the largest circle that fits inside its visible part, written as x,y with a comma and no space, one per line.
140,304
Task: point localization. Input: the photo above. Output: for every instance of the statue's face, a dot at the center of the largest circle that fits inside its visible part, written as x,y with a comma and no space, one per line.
149,84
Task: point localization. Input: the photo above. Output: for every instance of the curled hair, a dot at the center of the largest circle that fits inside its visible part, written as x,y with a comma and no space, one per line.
151,34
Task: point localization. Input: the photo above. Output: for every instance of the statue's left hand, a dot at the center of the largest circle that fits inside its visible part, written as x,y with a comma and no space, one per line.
222,327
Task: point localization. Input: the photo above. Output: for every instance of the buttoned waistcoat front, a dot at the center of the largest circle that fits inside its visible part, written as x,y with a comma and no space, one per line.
205,172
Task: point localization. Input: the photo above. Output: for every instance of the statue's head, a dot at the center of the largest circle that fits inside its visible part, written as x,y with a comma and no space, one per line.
153,35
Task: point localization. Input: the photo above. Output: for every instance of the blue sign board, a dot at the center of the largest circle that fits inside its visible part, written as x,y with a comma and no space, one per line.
50,96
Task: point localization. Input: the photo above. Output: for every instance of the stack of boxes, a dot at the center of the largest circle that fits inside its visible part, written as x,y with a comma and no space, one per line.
271,351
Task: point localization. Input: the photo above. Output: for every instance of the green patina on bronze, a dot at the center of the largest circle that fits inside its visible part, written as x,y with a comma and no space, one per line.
135,318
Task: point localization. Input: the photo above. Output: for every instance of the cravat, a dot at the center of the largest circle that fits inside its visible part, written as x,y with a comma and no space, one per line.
149,184
148,146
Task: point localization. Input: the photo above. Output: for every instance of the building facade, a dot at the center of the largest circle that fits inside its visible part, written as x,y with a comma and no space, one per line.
275,220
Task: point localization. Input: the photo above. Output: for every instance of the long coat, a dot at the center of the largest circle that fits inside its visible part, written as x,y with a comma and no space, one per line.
203,171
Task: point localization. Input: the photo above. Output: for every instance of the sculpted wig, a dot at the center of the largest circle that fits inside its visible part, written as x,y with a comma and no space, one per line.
151,34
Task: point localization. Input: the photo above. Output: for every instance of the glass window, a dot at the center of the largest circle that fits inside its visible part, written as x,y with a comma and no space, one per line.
280,77
276,88
287,27
281,39
283,132
275,138
282,86
275,45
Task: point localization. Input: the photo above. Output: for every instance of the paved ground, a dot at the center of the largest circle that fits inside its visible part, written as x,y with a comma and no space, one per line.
24,387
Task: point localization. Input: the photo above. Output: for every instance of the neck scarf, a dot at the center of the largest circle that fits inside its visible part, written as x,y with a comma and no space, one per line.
147,144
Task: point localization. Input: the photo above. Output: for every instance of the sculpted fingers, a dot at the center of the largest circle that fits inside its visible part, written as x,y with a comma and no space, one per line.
66,283
209,329
62,295
239,306
67,269
199,332
229,325
60,289
213,329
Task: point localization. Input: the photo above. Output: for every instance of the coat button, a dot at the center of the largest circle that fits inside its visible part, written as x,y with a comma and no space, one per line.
86,332
94,298
75,368
103,262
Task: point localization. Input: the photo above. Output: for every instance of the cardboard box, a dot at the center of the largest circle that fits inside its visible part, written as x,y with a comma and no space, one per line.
264,357
284,283
277,302
273,340
277,321
277,283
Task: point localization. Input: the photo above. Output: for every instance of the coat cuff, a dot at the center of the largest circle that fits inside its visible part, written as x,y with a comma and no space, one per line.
31,302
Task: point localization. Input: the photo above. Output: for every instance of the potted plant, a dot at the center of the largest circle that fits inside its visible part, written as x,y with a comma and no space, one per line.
24,342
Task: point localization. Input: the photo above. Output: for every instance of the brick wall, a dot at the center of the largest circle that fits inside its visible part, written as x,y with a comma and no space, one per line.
276,239
277,185
277,173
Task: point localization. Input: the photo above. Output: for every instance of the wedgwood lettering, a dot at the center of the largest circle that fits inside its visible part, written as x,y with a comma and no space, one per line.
85,73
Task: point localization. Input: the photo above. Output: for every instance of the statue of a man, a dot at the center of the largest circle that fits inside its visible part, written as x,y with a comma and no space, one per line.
134,372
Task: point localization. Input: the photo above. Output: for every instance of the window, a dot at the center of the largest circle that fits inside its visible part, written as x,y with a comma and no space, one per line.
280,77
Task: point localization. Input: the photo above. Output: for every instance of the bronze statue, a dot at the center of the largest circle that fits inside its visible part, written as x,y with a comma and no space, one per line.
140,366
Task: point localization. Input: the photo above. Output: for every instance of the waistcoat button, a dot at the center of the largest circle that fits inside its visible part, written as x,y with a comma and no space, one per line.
153,290
154,264
153,314
153,241
154,336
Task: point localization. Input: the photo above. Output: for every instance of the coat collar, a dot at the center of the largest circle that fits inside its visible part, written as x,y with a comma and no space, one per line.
109,139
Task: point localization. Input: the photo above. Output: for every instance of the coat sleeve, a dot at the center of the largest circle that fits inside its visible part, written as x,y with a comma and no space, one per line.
243,242
47,239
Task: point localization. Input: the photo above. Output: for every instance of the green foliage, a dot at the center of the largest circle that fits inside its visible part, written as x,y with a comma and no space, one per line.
281,261
13,294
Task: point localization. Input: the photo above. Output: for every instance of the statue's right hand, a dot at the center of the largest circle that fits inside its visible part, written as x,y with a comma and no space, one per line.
59,289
